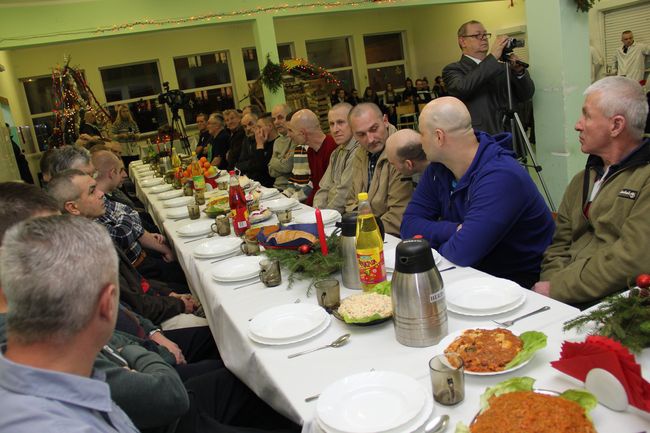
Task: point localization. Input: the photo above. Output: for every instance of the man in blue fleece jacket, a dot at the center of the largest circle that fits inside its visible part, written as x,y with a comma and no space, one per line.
475,204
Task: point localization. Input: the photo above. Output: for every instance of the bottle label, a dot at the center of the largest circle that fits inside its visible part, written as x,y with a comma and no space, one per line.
371,265
199,182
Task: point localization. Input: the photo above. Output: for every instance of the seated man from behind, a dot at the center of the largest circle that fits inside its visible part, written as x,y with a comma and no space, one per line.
404,152
475,204
336,183
602,224
47,381
372,173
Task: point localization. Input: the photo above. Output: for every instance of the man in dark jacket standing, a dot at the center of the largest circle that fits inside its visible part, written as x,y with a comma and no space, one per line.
475,204
479,78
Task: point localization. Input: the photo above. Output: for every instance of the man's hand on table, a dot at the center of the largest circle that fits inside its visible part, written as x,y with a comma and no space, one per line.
159,338
543,288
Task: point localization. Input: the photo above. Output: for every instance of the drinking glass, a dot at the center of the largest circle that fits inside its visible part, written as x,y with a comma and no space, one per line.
447,378
270,273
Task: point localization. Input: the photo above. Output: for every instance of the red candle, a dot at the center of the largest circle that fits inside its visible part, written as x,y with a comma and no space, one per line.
321,232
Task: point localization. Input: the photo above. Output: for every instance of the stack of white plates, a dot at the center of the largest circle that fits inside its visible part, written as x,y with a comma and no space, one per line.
268,193
236,269
151,182
374,402
483,296
282,203
160,188
178,213
171,194
287,324
389,258
196,228
330,216
216,247
178,201
137,162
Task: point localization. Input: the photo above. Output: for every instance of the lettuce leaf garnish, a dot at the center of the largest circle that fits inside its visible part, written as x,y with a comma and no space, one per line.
532,342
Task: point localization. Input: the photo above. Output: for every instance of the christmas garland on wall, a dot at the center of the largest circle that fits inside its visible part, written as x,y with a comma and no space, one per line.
271,74
585,5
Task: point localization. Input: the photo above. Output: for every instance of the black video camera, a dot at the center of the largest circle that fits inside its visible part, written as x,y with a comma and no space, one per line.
176,99
510,45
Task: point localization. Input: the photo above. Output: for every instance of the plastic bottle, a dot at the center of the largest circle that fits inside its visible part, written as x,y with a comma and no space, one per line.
370,246
197,174
238,208
176,161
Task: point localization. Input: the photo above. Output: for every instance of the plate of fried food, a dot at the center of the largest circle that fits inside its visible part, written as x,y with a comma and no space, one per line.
365,309
488,352
514,405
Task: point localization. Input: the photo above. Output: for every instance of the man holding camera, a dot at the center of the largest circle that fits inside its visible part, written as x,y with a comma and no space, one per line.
479,78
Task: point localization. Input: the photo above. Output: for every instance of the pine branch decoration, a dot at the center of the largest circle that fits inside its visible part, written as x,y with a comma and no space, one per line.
271,75
313,265
585,5
625,318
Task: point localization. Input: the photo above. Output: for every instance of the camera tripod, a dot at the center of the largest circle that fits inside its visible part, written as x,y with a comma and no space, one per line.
520,142
177,125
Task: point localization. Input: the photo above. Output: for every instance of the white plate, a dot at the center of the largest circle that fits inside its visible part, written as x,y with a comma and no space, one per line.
389,258
178,213
414,426
215,193
238,268
371,402
160,188
216,248
171,194
304,337
137,162
151,182
178,201
282,203
329,216
473,313
257,217
196,228
445,342
268,193
287,322
482,294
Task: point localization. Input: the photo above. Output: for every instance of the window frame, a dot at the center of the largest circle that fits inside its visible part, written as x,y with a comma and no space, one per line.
392,63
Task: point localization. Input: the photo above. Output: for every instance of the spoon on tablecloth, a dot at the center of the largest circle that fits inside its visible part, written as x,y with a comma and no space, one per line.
343,339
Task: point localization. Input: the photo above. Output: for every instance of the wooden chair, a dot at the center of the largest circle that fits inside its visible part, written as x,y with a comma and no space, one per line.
406,117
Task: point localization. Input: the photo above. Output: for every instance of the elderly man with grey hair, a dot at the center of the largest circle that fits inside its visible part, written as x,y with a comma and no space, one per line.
281,162
475,203
67,157
404,152
61,282
602,223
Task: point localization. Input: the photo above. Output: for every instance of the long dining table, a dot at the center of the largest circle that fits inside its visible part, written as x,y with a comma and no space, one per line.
286,383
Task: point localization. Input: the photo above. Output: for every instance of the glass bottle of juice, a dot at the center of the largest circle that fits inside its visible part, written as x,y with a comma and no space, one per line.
370,246
238,208
197,174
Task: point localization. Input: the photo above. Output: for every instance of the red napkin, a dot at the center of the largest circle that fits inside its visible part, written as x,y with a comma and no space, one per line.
577,359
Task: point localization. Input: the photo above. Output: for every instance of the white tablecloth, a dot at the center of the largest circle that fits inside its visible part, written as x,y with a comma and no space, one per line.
285,383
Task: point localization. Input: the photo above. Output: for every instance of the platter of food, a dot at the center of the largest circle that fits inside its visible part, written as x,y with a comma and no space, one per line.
488,352
514,406
365,309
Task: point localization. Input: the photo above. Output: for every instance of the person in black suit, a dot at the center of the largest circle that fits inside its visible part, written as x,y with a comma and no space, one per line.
479,78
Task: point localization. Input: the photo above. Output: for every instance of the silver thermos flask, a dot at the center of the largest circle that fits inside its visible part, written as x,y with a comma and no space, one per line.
350,267
419,307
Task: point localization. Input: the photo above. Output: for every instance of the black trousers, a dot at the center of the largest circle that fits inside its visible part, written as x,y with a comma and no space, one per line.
156,268
221,403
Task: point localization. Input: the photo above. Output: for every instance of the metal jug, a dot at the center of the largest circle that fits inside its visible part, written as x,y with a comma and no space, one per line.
350,268
419,307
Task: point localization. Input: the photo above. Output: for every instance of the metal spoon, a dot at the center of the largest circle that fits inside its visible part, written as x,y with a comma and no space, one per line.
437,425
336,343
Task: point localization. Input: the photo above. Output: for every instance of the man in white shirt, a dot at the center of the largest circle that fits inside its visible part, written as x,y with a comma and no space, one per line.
629,60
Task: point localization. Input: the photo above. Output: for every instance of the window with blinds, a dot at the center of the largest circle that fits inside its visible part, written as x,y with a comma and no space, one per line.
635,18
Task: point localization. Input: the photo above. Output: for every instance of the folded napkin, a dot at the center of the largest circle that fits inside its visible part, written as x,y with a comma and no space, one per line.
577,359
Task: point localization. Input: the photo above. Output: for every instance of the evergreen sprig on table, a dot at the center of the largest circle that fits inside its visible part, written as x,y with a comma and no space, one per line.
312,265
625,318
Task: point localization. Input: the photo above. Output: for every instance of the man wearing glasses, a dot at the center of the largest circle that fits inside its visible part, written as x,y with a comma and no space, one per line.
479,79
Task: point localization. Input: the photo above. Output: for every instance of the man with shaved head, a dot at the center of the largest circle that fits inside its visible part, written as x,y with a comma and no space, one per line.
404,152
475,204
336,184
372,173
304,129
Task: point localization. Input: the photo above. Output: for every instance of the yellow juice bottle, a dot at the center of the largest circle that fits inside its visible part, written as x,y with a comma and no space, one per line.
370,247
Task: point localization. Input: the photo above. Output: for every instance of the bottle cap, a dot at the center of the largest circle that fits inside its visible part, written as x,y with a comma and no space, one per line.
363,196
231,172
